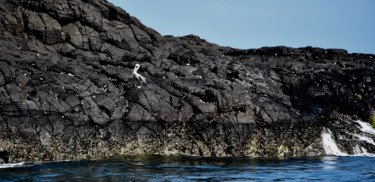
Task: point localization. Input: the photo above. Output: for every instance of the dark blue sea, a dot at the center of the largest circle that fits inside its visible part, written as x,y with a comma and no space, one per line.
156,168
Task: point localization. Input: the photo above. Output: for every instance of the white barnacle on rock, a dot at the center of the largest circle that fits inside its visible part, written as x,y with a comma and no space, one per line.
104,88
112,79
70,74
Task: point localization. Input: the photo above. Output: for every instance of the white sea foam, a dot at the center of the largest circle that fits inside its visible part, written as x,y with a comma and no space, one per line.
365,138
361,151
329,144
14,165
366,127
358,150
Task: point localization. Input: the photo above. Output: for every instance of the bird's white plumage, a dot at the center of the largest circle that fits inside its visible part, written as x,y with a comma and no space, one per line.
137,75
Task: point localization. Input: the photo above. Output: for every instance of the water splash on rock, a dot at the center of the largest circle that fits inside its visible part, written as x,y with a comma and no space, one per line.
329,144
365,138
359,143
366,127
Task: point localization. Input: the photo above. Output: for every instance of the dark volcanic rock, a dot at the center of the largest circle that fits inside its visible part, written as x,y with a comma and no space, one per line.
67,91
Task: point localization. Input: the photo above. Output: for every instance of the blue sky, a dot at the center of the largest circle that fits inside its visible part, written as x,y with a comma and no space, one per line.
347,24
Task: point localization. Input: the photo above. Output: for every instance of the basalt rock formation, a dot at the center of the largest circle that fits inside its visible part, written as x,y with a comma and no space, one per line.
67,91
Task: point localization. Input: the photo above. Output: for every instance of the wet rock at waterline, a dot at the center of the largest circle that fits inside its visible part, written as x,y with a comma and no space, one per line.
67,90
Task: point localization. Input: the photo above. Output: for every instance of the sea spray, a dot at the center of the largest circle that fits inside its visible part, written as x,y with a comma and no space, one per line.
373,121
357,149
361,151
329,144
16,165
366,127
365,138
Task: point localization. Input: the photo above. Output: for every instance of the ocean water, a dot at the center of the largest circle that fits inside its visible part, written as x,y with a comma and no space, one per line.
158,168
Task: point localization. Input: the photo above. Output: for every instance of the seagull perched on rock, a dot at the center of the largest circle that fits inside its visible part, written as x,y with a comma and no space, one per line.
139,76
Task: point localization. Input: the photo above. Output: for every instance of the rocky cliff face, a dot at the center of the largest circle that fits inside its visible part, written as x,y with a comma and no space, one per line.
67,90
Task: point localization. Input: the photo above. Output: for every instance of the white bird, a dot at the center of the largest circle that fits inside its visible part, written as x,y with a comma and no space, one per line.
139,76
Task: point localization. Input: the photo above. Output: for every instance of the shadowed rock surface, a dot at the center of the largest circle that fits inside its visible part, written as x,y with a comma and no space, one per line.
66,90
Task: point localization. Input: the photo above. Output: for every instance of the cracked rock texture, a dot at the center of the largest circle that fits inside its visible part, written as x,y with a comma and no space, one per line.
67,93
